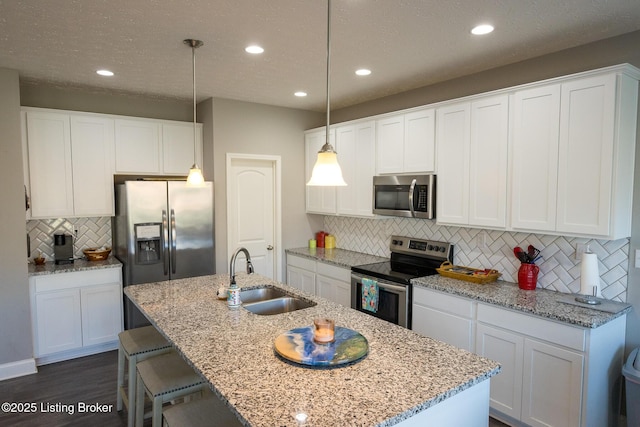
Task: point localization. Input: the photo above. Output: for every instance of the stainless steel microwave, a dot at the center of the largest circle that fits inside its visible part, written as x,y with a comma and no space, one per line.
412,196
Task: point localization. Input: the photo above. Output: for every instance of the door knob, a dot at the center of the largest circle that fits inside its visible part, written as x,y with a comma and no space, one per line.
269,248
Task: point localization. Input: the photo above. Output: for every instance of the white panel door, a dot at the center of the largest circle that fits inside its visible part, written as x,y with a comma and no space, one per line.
138,148
452,329
507,349
534,179
59,323
552,385
334,290
51,177
452,139
355,145
302,279
251,212
320,200
419,141
178,149
92,140
586,147
390,145
488,161
101,313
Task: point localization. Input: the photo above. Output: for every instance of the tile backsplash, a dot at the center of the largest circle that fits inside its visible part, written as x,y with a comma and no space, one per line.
92,233
559,270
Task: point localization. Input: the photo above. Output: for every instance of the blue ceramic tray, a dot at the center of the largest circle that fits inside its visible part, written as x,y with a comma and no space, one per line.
298,346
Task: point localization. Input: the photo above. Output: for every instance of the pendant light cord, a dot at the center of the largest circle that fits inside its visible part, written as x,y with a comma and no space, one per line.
328,143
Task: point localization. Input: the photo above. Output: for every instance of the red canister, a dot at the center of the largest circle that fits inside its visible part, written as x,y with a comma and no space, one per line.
320,238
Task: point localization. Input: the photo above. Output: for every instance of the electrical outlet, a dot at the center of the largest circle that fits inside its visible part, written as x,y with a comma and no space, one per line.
580,249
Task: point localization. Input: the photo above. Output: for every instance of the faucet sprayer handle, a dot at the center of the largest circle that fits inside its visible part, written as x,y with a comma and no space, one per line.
249,267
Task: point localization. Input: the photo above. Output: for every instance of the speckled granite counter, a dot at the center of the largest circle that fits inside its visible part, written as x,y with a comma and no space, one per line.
339,257
403,374
540,302
79,265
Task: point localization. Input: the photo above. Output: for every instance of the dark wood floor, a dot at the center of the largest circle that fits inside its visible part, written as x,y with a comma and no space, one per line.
57,387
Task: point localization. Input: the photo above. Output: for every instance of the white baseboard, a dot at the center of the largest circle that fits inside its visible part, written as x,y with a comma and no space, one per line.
75,353
18,369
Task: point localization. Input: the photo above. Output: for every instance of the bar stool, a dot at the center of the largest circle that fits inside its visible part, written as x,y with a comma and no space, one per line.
135,346
200,413
164,378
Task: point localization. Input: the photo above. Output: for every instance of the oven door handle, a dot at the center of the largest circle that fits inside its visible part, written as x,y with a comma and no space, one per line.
412,189
389,287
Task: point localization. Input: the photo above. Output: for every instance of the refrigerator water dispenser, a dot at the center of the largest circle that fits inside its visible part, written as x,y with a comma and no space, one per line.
148,242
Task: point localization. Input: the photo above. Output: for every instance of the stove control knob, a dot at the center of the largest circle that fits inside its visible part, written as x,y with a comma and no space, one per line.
443,249
430,247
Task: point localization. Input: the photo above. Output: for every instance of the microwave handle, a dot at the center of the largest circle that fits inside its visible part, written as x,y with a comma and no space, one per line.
412,188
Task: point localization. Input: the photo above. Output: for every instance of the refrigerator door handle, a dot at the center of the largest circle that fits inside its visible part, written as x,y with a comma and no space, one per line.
165,231
174,249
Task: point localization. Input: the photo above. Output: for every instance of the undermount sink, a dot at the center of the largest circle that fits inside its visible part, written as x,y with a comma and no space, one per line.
261,294
278,305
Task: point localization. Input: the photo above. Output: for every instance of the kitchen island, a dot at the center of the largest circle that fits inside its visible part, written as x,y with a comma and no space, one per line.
406,379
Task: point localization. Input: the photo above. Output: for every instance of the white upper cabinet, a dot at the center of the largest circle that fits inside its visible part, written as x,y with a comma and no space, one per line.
156,147
138,146
355,145
472,143
50,170
405,143
534,158
70,163
573,156
179,151
92,159
321,200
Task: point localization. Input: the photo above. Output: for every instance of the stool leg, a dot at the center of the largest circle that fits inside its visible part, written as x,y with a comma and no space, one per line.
120,377
139,402
133,408
157,412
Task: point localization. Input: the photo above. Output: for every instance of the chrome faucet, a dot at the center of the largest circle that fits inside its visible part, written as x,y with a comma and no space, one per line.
232,266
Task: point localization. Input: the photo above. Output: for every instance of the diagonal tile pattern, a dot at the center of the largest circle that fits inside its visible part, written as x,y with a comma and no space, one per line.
559,269
92,233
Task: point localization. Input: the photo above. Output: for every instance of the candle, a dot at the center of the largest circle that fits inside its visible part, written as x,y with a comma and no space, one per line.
323,330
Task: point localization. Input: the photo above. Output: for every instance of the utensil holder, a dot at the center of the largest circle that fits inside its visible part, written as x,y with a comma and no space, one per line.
528,276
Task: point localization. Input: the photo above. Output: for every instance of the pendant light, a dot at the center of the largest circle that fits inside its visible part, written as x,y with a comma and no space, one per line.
326,171
195,177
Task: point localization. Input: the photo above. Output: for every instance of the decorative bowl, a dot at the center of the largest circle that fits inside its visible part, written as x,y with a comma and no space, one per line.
97,254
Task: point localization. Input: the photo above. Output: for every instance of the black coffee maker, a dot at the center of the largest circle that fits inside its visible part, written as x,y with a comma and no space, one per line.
63,248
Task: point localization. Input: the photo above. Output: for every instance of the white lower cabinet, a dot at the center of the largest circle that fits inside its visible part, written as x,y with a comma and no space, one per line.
443,317
334,283
75,314
552,373
319,278
301,273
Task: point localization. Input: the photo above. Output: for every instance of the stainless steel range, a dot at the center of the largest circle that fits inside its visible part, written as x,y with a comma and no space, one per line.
410,258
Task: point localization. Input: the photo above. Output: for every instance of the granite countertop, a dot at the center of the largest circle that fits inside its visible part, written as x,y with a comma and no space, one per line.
50,267
336,256
540,302
404,373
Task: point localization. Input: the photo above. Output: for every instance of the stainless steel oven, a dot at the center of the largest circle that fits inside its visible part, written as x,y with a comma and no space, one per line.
393,300
410,258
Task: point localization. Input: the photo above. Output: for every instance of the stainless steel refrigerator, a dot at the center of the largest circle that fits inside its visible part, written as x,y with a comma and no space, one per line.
162,230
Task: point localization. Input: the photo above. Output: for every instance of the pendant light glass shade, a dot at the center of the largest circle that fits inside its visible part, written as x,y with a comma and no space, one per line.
327,172
195,178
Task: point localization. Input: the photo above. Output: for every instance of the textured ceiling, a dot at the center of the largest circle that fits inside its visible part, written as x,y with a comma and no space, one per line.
407,43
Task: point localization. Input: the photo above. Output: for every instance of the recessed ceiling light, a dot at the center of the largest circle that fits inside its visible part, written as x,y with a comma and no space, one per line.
105,73
363,72
300,94
482,29
255,49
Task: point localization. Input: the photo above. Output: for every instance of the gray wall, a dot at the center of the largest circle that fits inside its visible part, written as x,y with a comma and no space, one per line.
241,127
15,314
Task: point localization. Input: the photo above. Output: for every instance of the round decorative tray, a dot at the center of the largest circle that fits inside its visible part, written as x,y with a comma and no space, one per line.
298,346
